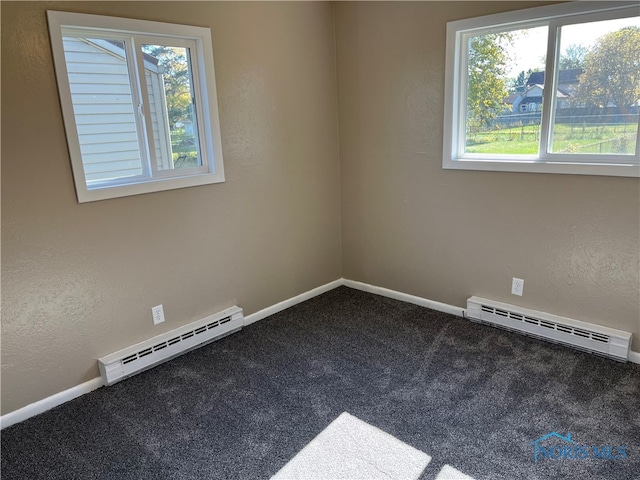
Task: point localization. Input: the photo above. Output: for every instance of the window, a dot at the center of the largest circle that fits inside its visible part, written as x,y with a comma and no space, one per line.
139,104
552,89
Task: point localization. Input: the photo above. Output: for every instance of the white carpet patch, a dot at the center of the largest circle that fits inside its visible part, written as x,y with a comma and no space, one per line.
352,449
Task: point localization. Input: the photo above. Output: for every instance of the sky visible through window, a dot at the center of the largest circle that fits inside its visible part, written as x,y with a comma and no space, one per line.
535,41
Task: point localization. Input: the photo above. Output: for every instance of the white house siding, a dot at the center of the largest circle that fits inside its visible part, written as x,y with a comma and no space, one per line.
159,119
521,105
104,111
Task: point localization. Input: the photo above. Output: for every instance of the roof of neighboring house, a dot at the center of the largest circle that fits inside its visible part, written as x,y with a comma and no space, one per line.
511,98
526,98
564,76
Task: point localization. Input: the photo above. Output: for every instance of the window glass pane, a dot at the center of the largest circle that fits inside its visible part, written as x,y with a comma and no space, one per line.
504,91
170,88
596,103
103,108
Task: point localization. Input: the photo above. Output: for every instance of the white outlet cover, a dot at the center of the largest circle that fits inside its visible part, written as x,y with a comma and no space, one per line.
157,313
517,286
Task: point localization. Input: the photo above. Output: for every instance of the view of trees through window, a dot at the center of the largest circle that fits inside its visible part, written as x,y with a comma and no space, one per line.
178,104
597,97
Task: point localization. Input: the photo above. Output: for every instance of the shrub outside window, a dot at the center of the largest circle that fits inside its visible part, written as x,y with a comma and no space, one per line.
550,90
139,104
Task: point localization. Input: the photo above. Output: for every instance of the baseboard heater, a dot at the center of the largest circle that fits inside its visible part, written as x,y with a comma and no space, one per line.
147,354
592,338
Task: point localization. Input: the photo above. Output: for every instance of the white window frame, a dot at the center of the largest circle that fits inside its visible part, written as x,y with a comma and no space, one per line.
456,79
198,40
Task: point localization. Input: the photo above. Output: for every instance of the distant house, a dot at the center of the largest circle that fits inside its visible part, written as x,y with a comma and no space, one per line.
567,80
105,112
531,99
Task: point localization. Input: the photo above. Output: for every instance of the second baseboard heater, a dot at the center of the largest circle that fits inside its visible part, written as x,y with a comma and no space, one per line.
142,356
605,341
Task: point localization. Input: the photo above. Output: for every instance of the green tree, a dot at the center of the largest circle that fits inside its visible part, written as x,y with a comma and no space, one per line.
487,87
573,57
176,80
612,70
519,83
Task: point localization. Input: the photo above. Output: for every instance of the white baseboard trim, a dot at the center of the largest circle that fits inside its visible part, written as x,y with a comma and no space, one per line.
365,287
48,403
278,307
405,297
634,357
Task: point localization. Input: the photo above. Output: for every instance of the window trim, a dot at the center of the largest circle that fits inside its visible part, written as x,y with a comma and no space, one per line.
454,134
203,75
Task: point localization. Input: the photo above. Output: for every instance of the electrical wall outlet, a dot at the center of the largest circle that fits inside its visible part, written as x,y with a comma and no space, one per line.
158,314
517,286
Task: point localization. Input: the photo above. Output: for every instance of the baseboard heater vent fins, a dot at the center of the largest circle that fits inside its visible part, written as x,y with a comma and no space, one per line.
147,354
605,341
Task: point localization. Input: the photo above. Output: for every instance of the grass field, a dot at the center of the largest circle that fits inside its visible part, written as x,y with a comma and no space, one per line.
620,139
184,149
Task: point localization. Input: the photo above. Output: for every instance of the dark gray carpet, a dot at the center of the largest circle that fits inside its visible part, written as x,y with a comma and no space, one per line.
469,395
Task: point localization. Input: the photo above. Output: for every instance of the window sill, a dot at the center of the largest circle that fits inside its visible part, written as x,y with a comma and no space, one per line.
104,192
533,166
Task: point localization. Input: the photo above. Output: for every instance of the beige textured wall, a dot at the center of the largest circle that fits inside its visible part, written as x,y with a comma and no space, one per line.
79,280
411,226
